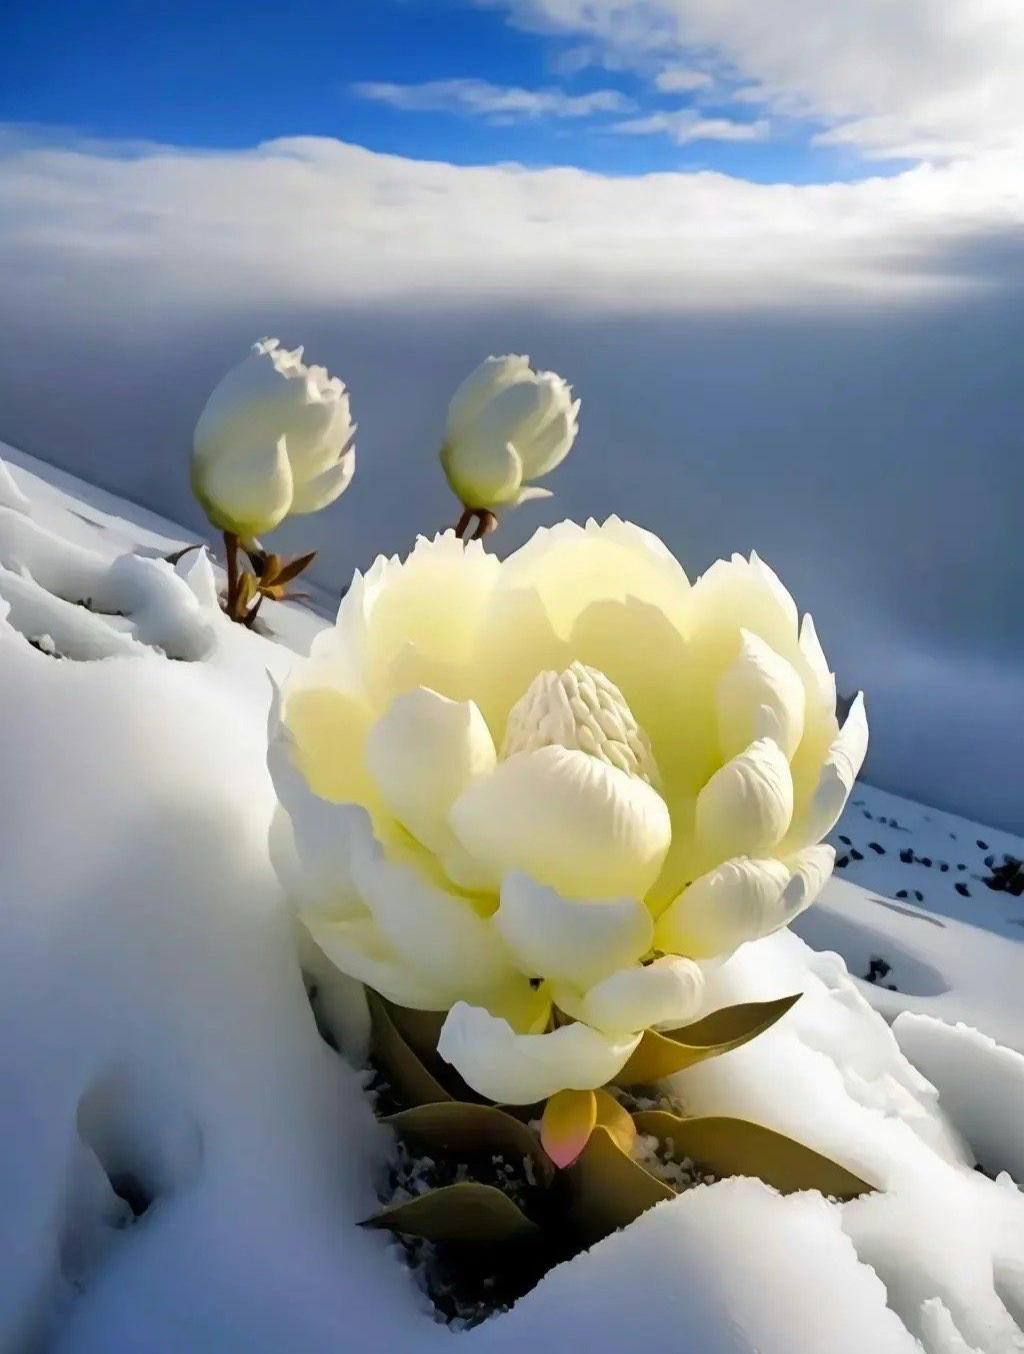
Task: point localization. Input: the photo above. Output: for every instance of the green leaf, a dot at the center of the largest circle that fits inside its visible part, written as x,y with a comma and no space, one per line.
412,1081
608,1189
660,1055
467,1211
460,1127
727,1147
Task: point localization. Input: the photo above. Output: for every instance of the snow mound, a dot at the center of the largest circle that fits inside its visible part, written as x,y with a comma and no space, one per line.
980,1085
184,1159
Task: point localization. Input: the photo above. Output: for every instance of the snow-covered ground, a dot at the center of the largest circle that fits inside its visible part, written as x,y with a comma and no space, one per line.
160,1059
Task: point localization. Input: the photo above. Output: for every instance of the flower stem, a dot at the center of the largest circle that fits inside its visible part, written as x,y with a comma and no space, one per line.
486,522
231,551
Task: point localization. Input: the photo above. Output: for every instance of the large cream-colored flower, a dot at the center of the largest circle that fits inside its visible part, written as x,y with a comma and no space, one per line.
536,794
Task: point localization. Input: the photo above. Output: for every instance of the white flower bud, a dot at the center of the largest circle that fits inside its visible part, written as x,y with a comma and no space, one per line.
274,439
507,425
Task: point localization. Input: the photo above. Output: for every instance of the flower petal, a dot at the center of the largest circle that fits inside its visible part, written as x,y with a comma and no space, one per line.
316,492
665,994
522,1069
327,728
419,622
357,947
842,766
311,836
568,820
759,695
423,753
566,1125
737,594
573,941
491,376
572,566
811,871
246,493
737,901
437,934
746,806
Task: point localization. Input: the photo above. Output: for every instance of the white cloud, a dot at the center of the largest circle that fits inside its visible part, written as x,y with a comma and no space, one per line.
682,80
684,126
318,221
929,76
480,98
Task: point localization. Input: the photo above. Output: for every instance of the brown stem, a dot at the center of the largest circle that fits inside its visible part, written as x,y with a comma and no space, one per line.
231,550
464,523
486,522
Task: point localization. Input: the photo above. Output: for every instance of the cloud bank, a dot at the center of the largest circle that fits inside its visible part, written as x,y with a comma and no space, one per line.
830,374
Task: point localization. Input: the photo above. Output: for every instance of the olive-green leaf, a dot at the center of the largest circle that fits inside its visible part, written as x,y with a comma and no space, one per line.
660,1055
467,1211
608,1189
413,1082
291,568
726,1147
458,1126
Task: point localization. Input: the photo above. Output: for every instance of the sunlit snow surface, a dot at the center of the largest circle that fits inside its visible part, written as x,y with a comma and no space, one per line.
157,1037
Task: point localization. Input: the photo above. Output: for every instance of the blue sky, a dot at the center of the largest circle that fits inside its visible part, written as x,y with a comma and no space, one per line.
233,73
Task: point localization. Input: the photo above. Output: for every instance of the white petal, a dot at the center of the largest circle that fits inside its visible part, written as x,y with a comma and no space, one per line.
521,1069
759,695
423,753
842,766
482,384
665,995
746,806
577,942
483,474
358,948
568,820
412,622
821,684
530,493
313,494
812,869
552,442
248,494
313,859
735,902
572,567
740,594
436,934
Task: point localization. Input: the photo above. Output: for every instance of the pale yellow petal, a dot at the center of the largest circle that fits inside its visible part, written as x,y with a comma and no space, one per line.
522,1069
746,806
567,820
575,941
423,752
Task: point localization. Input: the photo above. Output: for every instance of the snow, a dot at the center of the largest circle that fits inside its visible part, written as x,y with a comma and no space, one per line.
158,1036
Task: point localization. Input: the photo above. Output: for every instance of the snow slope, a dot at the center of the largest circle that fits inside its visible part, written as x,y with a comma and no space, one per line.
158,1039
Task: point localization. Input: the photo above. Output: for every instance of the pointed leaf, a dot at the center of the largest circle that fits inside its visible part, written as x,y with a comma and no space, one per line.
727,1147
459,1127
467,1211
616,1121
412,1081
566,1125
177,555
291,568
608,1189
660,1055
